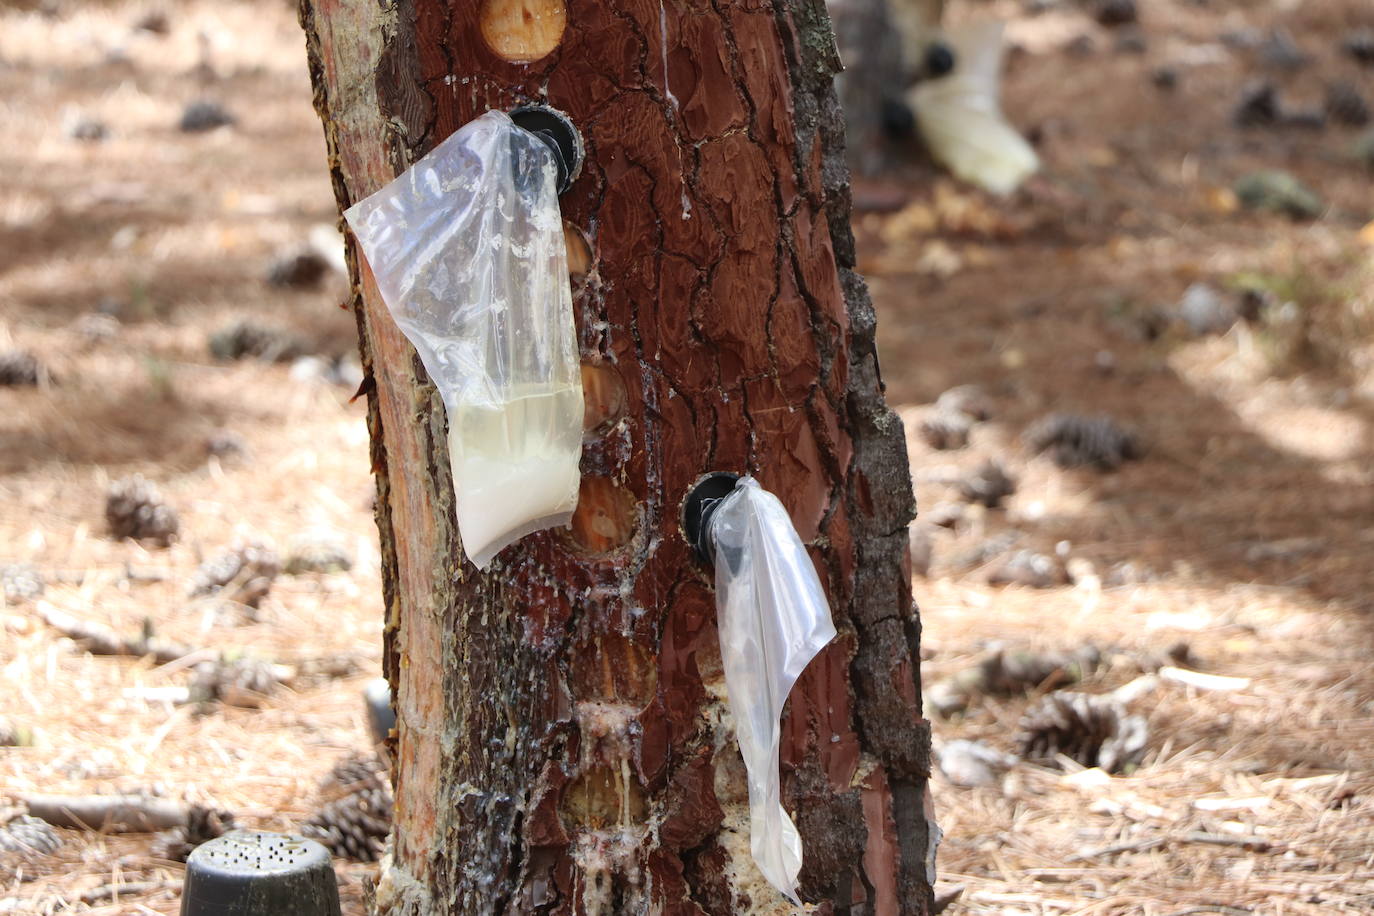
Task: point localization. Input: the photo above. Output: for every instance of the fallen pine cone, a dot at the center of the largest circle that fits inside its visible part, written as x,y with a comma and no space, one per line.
968,400
318,551
298,269
944,515
19,368
1026,567
1005,672
244,573
354,817
946,429
202,825
1079,441
246,339
1095,731
29,836
988,485
20,582
135,509
972,763
1345,105
242,681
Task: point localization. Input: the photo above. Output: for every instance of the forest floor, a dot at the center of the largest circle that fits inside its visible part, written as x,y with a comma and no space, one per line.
1245,531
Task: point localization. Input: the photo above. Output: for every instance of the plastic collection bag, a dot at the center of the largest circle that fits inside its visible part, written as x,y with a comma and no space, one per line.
961,121
468,253
773,619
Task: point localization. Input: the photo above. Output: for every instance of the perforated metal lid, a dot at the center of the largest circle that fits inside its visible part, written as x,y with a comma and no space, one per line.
253,873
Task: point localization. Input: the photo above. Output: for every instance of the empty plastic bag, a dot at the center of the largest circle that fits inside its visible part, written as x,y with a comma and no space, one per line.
773,619
467,249
961,121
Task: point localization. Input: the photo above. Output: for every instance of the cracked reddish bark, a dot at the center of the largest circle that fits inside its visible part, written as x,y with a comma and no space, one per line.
561,743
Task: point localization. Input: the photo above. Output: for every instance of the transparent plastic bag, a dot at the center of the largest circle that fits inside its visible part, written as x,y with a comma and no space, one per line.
468,252
773,619
961,120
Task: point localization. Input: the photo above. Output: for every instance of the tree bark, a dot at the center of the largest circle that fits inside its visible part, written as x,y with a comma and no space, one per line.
563,745
877,72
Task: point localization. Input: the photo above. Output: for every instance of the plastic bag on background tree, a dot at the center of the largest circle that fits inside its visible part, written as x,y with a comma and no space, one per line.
773,619
468,253
961,121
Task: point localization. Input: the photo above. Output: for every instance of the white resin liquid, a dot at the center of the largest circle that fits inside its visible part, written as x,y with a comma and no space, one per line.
515,467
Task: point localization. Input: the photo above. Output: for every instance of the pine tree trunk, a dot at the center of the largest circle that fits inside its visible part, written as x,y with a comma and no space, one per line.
876,75
561,746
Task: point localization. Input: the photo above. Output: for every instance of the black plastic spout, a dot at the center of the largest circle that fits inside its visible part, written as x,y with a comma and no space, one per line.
697,509
556,131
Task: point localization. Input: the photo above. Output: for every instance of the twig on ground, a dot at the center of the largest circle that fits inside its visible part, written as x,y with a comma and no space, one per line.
128,889
131,813
102,640
1153,842
1249,843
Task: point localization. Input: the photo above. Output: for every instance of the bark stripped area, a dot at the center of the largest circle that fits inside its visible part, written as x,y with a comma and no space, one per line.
563,741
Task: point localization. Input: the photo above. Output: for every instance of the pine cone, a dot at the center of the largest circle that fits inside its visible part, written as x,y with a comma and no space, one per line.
29,836
1006,672
944,515
966,399
357,771
239,682
203,115
988,485
298,269
12,735
1345,105
202,825
225,444
1026,567
134,509
19,368
244,338
946,429
20,582
1259,106
1079,441
318,551
1114,12
354,817
244,574
1360,46
1095,731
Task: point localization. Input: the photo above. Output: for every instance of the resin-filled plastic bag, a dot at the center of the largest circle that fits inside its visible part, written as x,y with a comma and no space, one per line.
773,619
960,119
467,249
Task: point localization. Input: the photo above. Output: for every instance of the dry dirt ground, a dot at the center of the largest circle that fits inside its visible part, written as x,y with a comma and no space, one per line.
1246,531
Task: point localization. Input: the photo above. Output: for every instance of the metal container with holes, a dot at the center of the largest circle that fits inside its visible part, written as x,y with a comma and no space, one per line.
249,873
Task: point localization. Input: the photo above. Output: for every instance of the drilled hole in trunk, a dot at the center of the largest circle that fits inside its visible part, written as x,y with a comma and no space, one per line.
605,516
612,667
603,396
579,251
522,31
603,796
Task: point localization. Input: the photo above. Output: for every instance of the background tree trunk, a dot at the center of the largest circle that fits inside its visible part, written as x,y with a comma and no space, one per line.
877,72
562,739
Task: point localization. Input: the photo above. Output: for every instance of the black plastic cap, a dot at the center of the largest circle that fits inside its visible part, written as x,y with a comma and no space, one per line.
697,509
557,132
939,60
897,120
248,873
